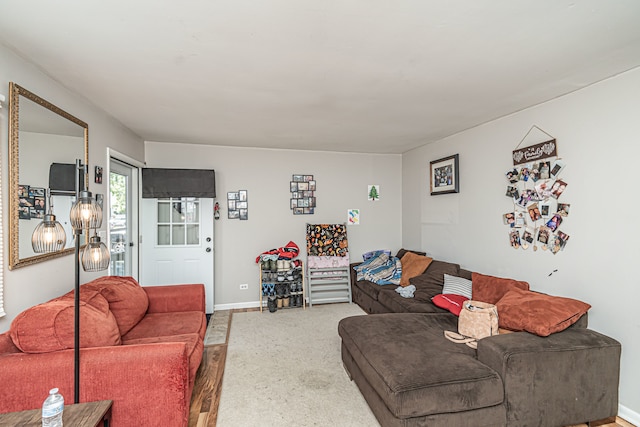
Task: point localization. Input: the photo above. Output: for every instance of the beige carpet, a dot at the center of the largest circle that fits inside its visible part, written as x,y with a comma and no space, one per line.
284,369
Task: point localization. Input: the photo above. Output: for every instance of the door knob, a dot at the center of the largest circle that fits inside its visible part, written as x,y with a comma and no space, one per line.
208,249
208,239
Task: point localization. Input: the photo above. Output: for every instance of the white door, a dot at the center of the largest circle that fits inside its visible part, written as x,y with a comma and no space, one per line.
177,243
123,215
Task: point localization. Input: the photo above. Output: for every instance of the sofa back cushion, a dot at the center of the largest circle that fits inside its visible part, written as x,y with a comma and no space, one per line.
537,313
490,289
50,326
127,300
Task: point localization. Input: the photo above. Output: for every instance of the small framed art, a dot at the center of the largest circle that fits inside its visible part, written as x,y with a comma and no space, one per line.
443,176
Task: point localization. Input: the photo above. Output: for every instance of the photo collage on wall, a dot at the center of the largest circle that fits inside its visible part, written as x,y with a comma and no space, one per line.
303,194
32,202
539,209
238,205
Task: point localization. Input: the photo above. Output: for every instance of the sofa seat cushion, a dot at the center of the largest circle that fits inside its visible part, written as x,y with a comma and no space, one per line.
169,324
50,326
195,347
397,304
414,369
127,300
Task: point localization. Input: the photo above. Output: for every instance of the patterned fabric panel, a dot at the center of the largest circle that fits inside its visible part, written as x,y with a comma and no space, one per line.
327,240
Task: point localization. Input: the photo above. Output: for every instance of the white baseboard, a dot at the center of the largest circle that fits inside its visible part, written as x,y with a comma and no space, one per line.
250,304
629,415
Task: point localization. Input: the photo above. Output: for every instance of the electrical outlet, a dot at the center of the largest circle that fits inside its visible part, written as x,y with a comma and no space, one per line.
244,286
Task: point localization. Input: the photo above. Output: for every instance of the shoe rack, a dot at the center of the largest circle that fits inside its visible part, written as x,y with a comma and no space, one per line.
283,283
329,285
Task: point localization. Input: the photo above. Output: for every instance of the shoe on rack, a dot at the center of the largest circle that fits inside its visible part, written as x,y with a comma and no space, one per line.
285,301
272,304
279,302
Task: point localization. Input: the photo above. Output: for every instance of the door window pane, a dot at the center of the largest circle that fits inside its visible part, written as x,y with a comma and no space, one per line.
179,221
164,238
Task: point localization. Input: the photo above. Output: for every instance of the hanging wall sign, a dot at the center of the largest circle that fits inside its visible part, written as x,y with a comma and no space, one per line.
534,186
535,152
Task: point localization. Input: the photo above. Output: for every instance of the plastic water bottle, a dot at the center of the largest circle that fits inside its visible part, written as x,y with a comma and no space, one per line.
52,409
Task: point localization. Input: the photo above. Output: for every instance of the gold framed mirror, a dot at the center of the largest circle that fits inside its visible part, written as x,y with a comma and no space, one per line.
40,134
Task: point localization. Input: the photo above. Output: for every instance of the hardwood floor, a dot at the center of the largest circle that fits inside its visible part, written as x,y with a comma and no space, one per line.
208,385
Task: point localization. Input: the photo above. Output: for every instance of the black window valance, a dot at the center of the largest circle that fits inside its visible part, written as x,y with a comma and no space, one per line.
158,183
62,178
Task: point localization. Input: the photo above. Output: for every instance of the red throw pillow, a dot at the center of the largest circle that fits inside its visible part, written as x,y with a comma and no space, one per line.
451,302
538,313
490,289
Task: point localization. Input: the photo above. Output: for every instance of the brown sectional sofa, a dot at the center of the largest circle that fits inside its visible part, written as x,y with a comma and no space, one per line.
410,375
140,347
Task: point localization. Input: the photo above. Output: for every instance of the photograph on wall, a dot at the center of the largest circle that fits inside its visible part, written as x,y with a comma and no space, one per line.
563,237
544,170
444,176
514,239
242,196
37,192
534,175
543,189
39,203
543,235
554,222
556,168
24,212
243,213
509,219
534,212
512,192
558,188
520,219
513,176
312,185
563,209
23,191
527,234
545,210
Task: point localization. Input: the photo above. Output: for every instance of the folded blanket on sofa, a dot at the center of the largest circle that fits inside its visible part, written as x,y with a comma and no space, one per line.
380,269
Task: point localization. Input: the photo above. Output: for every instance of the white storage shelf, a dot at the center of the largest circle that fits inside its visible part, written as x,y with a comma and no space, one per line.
328,285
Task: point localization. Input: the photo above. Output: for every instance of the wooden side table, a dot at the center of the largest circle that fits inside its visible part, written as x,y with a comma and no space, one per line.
90,414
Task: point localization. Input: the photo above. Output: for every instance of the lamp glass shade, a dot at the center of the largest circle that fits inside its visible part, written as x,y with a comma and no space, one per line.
86,213
95,256
48,236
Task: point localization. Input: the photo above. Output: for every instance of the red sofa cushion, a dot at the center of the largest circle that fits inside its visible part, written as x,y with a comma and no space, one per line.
127,300
537,313
50,326
490,289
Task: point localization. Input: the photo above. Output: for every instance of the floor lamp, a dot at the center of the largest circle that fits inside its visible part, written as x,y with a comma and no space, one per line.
86,214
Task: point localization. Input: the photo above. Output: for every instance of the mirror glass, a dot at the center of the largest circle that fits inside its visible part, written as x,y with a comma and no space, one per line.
39,134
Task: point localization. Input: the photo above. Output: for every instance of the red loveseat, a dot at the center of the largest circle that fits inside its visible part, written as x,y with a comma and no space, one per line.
140,347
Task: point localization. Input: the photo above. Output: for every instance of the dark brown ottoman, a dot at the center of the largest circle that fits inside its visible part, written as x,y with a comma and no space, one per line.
419,378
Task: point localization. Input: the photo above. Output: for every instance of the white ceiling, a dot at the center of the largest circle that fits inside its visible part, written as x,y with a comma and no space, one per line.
354,75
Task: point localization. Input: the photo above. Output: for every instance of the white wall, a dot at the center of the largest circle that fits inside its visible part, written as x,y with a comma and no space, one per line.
598,136
34,284
342,181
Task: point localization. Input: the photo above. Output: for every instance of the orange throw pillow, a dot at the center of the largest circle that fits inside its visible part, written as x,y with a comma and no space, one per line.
490,289
413,265
537,313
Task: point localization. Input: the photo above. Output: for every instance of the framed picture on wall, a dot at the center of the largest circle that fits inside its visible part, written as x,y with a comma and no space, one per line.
443,176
